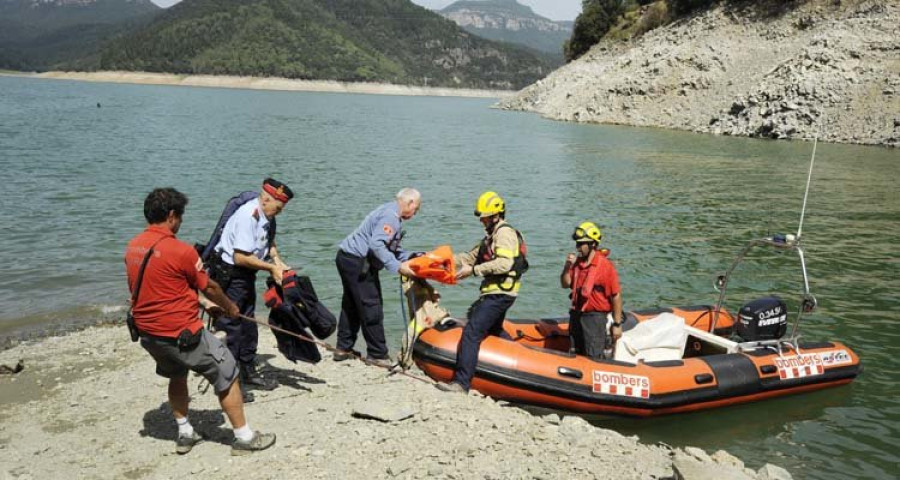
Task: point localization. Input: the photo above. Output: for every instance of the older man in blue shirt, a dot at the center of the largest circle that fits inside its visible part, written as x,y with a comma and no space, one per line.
374,245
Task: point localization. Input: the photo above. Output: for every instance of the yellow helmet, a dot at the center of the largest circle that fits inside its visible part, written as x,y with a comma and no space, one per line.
587,232
488,204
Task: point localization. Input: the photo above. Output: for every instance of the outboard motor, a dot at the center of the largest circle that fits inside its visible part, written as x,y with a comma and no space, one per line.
762,319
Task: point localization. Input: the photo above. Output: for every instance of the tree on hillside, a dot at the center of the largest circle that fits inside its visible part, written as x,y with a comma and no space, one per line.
596,18
680,7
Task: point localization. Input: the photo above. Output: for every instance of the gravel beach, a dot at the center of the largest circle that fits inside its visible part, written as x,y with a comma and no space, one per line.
89,405
261,83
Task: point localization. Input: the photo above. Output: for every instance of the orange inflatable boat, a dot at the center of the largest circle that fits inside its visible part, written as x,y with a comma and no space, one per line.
720,359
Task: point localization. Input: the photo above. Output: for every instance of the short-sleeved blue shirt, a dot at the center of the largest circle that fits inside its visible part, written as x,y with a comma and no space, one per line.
379,233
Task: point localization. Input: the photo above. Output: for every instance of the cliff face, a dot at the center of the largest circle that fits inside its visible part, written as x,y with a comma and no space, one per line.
817,68
509,21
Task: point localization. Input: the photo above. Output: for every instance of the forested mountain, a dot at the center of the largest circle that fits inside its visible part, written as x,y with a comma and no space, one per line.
42,34
391,41
510,21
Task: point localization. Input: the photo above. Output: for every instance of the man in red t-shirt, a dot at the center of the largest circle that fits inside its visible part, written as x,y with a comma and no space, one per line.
166,315
595,293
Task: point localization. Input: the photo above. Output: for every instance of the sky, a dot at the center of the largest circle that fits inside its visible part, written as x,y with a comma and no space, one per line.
552,9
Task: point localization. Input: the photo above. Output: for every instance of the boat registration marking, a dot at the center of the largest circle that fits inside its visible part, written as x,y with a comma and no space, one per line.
613,383
835,357
799,366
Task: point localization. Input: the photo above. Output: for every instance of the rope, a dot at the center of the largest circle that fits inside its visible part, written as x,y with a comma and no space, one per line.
328,347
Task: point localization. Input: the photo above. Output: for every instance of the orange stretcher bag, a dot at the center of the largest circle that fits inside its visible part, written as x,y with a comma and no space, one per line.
436,265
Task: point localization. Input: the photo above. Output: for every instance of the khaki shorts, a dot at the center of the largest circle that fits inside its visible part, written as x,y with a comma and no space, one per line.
210,358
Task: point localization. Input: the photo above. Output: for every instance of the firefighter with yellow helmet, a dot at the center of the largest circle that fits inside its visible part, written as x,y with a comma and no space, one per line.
595,293
500,260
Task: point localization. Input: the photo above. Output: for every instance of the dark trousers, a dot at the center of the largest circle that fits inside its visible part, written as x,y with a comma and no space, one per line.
241,336
486,317
361,306
587,332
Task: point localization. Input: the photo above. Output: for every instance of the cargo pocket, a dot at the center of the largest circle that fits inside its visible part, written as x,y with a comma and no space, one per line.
219,351
374,312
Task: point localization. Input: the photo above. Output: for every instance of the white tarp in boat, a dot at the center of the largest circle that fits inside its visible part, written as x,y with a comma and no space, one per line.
660,338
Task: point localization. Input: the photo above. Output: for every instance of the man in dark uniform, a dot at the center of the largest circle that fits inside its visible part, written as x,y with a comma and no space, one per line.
374,245
246,247
165,314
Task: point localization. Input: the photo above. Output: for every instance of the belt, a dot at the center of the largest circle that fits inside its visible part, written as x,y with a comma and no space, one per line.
156,338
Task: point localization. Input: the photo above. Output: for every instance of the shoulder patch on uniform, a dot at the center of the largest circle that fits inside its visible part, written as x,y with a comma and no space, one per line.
388,230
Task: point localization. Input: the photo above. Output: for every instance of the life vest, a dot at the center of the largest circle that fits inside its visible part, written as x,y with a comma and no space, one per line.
509,281
231,206
437,265
581,293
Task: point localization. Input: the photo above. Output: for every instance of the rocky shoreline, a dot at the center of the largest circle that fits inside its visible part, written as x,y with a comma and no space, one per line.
261,83
89,405
756,69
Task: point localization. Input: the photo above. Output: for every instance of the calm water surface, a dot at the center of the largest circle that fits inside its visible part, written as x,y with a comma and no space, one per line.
674,207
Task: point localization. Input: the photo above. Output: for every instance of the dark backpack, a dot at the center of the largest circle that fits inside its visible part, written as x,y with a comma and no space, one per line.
233,204
295,307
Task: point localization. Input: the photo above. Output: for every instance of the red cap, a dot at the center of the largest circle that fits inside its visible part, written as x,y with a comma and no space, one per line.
277,190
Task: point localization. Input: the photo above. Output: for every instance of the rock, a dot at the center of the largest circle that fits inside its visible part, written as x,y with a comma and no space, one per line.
553,419
772,472
724,458
689,469
395,470
697,453
384,413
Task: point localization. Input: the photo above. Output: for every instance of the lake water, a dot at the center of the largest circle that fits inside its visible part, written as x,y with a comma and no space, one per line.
675,209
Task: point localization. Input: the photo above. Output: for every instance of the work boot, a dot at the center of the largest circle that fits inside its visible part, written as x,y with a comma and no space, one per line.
451,387
246,395
260,441
341,355
252,378
185,443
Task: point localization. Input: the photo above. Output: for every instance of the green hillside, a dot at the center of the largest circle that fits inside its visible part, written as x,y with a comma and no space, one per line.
348,40
44,34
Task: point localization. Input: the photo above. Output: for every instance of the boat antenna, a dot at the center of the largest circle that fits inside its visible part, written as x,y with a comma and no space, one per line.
808,181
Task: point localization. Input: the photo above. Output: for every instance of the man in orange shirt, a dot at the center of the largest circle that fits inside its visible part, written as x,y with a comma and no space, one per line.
595,293
167,273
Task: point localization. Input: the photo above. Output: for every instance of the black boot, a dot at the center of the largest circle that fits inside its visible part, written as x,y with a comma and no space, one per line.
247,395
252,378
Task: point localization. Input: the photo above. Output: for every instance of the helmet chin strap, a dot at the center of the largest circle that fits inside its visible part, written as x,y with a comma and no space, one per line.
489,228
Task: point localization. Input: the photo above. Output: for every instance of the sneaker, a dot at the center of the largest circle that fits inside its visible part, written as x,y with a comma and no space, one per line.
380,362
451,387
184,444
260,441
341,355
251,378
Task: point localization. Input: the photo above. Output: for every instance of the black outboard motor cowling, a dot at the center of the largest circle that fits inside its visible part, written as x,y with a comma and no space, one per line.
762,319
